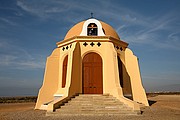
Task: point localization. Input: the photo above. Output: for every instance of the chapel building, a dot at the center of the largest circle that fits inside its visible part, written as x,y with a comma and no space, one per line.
92,59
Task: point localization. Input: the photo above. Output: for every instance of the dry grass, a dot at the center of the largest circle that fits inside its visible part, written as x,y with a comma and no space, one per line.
18,99
153,94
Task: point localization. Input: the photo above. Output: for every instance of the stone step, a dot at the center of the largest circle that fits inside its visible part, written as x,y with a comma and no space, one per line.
90,114
93,104
92,111
92,96
95,100
103,98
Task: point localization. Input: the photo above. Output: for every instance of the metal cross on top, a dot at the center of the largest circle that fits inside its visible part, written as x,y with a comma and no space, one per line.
91,15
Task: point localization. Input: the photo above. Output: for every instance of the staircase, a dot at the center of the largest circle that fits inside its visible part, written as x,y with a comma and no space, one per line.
92,104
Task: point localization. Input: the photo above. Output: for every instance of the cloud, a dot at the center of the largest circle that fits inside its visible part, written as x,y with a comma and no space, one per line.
8,21
139,29
27,8
7,59
133,27
43,9
18,62
158,32
174,36
15,57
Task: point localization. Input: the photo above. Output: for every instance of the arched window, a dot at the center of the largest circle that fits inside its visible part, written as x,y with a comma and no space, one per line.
92,29
64,72
120,67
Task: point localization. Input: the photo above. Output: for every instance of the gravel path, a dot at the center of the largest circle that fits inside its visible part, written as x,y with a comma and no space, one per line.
164,107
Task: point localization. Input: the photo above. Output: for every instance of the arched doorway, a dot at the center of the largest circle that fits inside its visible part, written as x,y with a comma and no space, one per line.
92,79
64,72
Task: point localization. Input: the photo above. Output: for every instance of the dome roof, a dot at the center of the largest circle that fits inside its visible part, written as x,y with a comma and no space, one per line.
76,30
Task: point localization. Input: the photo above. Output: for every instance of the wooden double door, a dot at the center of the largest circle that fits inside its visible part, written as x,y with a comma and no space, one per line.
92,74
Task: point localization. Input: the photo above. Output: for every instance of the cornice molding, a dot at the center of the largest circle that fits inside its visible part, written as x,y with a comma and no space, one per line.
93,38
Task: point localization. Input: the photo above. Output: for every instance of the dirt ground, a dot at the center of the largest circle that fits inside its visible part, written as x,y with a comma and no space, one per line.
163,107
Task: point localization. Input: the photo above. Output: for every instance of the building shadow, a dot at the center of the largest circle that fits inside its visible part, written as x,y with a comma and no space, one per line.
151,102
125,81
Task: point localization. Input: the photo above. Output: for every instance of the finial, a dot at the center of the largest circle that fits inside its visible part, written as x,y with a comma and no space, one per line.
91,15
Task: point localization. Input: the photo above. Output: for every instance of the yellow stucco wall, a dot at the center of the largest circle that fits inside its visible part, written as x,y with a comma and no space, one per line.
73,78
132,67
50,82
73,81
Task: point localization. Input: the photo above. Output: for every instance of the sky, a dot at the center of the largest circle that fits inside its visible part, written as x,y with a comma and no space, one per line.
29,30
